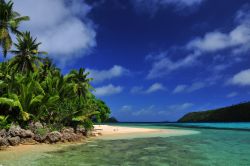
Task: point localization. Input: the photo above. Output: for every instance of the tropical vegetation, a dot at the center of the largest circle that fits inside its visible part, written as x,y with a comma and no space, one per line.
33,89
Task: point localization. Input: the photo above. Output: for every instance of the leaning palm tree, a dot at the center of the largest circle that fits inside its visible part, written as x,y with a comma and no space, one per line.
26,56
9,22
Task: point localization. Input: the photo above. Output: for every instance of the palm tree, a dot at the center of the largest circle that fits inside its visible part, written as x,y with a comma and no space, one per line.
26,58
27,98
47,68
9,22
81,82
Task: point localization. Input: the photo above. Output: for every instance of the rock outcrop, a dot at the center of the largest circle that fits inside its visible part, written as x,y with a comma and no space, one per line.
38,133
14,140
54,137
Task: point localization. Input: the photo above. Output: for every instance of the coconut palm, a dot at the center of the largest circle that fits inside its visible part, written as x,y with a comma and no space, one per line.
81,82
26,56
9,22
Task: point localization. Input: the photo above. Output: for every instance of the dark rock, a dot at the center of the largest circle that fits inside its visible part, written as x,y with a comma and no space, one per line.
81,130
3,133
72,137
15,130
67,130
76,137
54,137
67,134
4,142
40,138
26,133
34,126
14,140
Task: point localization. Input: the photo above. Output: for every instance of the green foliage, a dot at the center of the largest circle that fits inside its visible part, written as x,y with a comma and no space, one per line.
4,124
33,89
9,22
111,120
26,52
103,110
42,131
88,124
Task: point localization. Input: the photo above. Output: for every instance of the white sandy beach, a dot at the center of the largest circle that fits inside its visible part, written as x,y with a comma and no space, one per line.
114,130
120,132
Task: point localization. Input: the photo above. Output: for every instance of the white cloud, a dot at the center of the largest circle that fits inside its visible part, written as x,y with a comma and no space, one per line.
196,86
180,88
233,94
164,65
102,75
238,38
145,111
189,88
126,108
58,25
242,78
152,6
153,88
107,90
136,89
237,41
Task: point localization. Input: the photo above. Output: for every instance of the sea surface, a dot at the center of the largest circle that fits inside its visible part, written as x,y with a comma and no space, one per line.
212,144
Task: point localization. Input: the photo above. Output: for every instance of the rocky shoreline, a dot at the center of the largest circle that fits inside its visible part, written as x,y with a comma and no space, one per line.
37,133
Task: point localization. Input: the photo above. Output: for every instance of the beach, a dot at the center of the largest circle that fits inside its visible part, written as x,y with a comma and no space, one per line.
121,132
100,132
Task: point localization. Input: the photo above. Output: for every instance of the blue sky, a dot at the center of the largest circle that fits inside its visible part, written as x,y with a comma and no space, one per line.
152,60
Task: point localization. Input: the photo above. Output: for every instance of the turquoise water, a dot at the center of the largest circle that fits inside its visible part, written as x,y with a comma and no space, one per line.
209,147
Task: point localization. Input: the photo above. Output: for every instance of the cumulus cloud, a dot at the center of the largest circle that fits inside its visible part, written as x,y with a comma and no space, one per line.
107,90
242,78
238,38
62,26
153,88
152,6
163,65
102,75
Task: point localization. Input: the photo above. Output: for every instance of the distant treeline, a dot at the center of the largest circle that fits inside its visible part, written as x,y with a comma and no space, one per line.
236,113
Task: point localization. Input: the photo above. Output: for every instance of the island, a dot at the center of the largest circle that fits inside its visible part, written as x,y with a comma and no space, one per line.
235,113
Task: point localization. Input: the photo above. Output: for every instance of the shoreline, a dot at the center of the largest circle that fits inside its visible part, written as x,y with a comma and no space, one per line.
104,132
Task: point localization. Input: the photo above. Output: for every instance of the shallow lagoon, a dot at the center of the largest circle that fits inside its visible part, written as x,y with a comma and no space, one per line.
207,147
